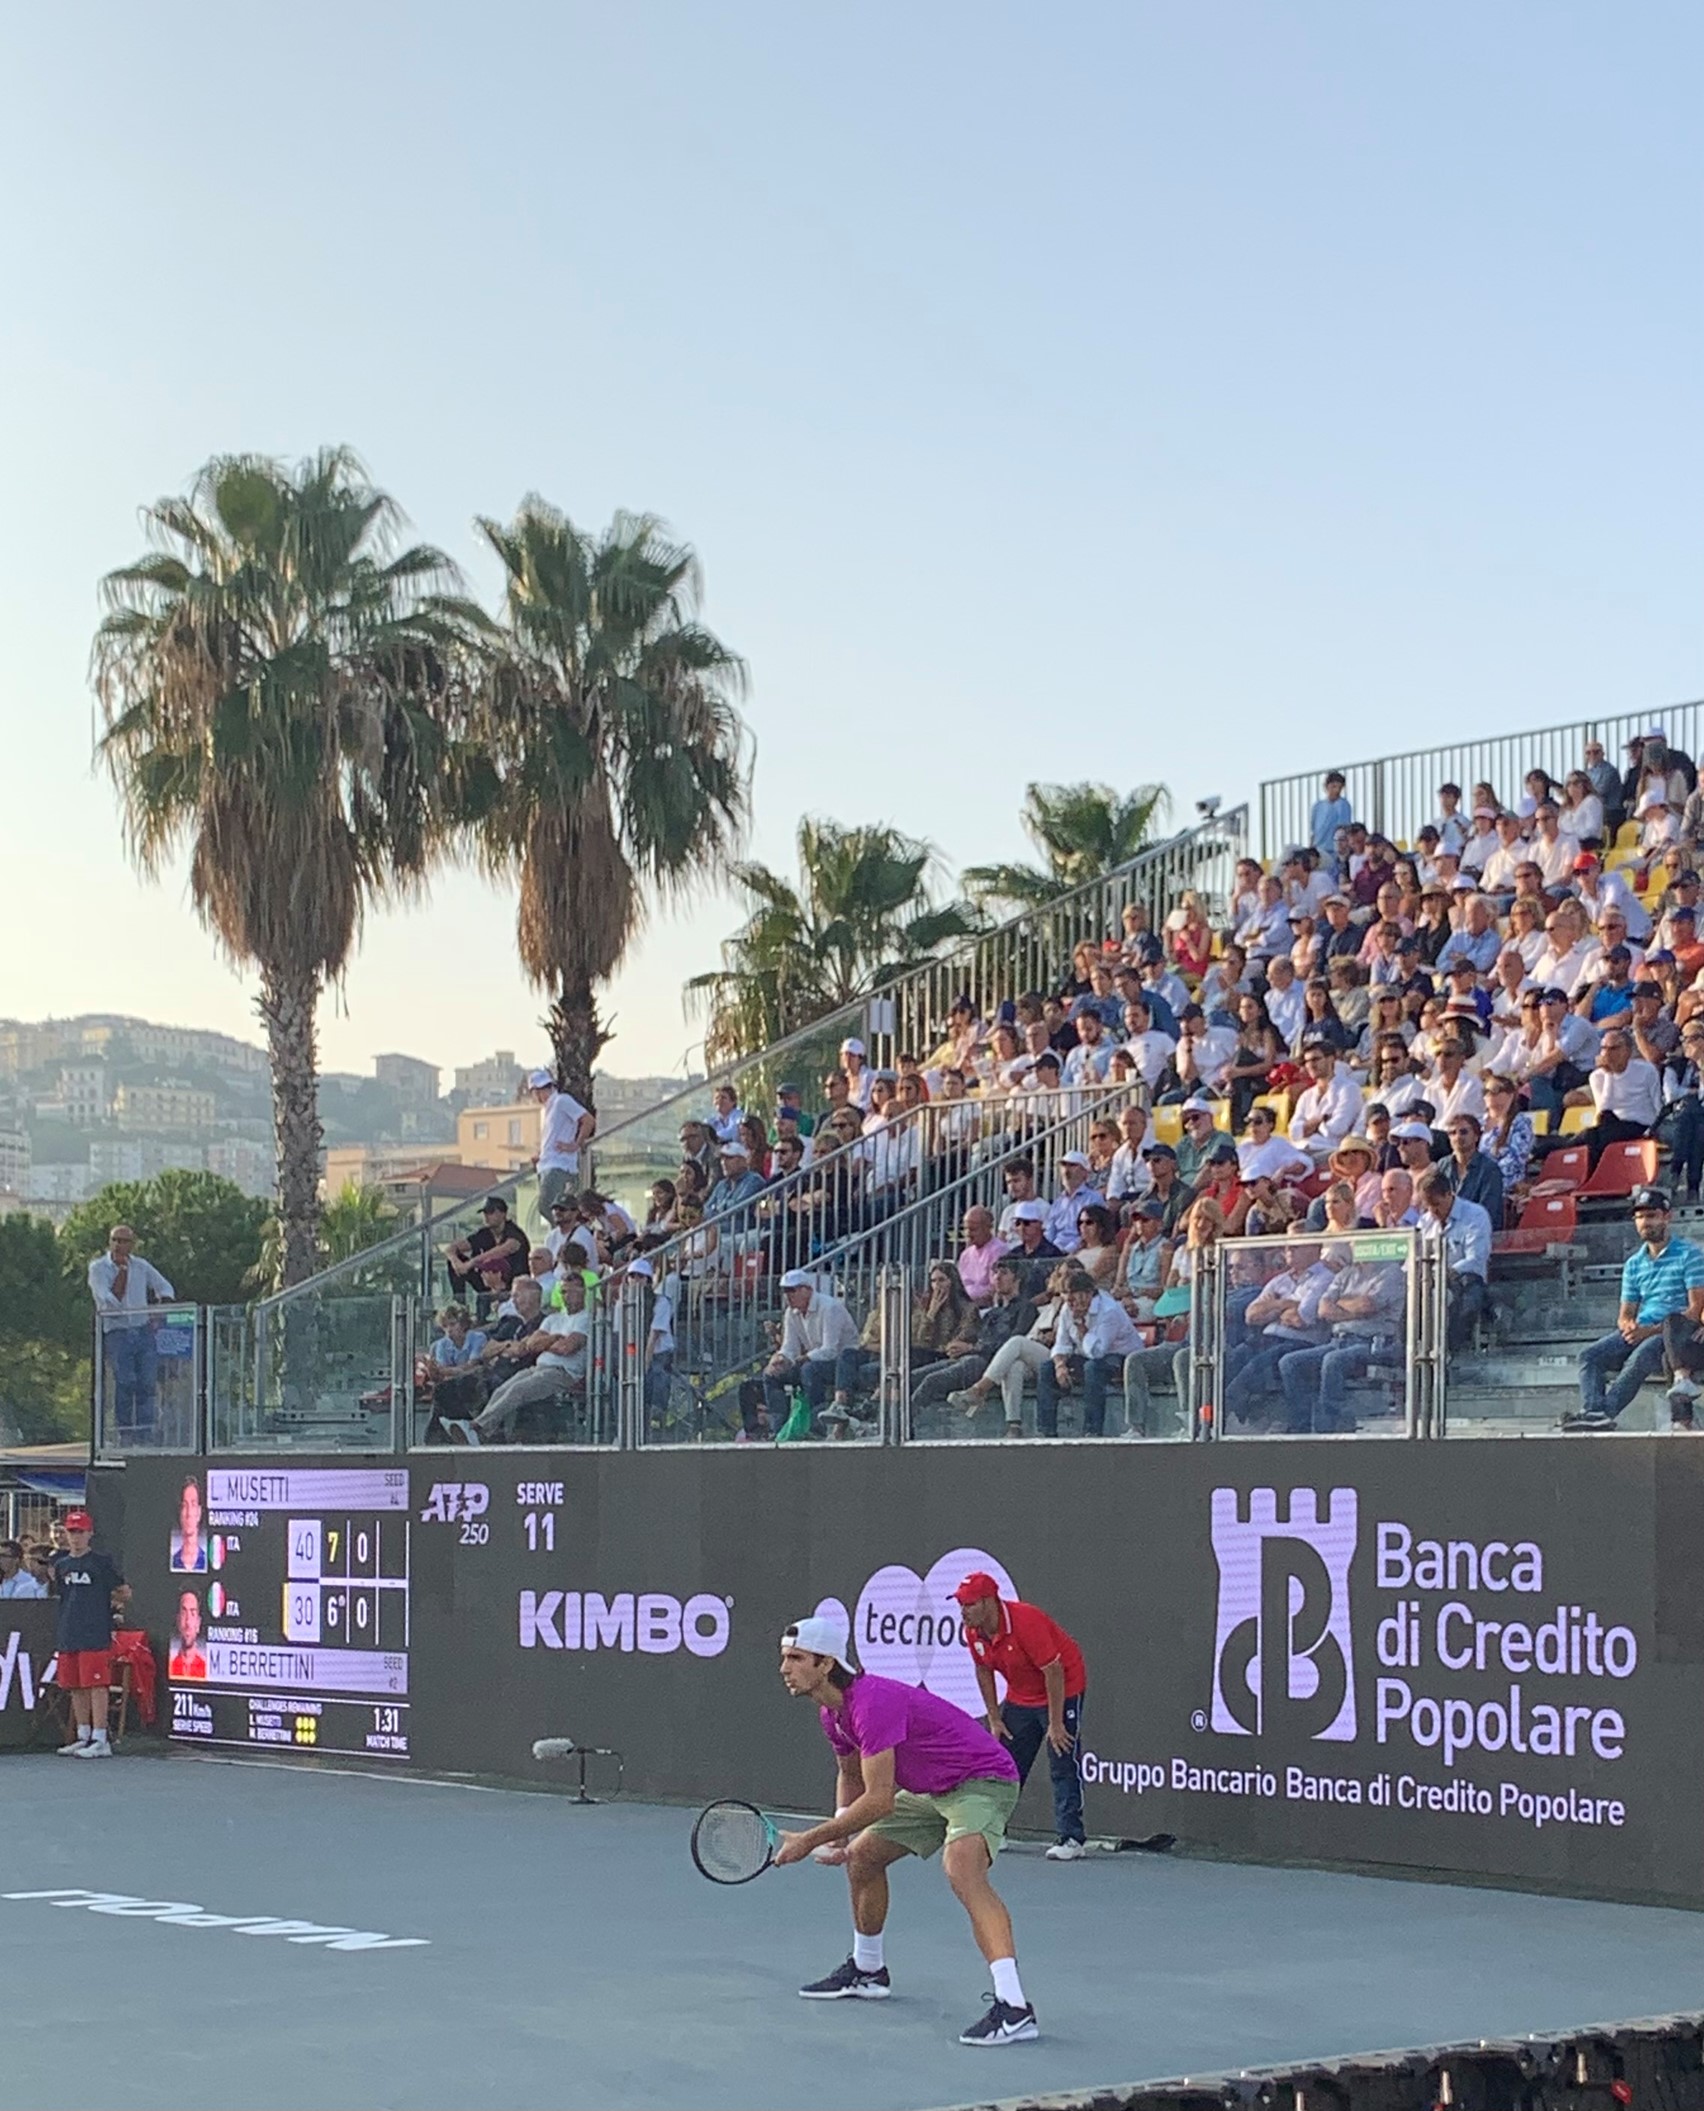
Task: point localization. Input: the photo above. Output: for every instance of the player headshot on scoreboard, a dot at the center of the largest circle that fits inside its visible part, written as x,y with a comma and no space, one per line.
188,1659
189,1541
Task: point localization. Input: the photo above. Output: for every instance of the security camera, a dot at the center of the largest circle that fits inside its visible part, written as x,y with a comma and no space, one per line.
1207,808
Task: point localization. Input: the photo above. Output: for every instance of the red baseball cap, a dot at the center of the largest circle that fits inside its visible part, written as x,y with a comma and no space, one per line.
77,1521
978,1585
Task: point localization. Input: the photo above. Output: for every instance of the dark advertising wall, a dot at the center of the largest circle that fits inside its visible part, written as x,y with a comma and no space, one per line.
1480,1657
27,1628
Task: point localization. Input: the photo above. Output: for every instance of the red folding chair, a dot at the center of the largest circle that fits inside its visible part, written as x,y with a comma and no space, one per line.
1622,1168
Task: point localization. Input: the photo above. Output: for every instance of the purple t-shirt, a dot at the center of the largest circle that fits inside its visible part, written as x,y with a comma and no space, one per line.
935,1746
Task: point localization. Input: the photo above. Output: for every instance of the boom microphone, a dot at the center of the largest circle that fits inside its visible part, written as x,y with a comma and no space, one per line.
553,1747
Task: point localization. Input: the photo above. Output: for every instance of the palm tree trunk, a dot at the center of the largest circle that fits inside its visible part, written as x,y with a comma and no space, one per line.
577,1035
288,1000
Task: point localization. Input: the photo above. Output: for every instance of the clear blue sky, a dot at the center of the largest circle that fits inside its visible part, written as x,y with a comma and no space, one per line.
1114,391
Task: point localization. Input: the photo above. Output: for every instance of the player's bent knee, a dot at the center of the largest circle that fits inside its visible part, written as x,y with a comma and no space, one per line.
967,1862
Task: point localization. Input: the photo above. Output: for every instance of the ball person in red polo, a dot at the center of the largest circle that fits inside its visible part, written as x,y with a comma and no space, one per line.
1043,1670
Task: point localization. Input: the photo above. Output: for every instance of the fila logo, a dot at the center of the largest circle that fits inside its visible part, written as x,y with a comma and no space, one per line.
1283,1661
18,1674
909,1627
454,1502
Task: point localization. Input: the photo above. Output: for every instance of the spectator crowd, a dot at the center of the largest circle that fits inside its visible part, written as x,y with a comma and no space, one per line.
1368,1035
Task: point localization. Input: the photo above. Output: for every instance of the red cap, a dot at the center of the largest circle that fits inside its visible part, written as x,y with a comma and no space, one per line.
979,1585
1586,862
77,1521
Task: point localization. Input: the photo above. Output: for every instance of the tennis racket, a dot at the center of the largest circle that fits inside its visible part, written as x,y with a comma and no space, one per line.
732,1842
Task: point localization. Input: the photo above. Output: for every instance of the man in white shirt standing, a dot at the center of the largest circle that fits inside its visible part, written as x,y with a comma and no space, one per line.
123,1286
567,1127
1330,1107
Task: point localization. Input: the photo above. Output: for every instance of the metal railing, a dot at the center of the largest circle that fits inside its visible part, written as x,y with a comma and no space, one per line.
845,1231
908,1013
1398,794
350,1372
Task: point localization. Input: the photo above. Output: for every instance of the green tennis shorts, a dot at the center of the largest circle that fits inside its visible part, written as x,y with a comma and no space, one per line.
924,1824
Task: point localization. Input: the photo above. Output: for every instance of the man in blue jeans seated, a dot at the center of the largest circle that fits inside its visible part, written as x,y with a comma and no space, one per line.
1093,1336
1364,1309
1045,1681
1661,1278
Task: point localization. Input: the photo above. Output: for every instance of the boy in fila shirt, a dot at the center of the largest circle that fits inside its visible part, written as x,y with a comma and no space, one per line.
90,1586
914,1774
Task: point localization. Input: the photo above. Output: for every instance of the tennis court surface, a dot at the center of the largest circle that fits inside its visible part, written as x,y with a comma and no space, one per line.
569,1956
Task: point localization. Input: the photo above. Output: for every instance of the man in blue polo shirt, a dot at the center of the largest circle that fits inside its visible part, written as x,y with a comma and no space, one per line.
1662,1277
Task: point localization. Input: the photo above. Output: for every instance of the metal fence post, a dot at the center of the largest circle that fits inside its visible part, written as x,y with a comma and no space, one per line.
895,1396
1207,1344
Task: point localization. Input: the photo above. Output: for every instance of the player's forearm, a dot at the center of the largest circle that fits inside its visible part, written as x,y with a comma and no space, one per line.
869,1805
985,1686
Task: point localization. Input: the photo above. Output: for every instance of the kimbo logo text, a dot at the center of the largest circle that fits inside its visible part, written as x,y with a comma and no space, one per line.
1282,1657
651,1622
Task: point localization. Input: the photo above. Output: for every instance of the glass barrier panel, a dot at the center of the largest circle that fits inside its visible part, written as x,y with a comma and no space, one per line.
1310,1335
321,1373
148,1380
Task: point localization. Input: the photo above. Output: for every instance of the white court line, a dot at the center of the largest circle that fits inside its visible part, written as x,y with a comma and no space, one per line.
349,1773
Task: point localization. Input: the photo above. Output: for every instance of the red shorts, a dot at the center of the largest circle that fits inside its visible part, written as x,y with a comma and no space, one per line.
82,1670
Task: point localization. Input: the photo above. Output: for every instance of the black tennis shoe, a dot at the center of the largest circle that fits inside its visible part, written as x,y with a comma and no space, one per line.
847,1983
1002,2026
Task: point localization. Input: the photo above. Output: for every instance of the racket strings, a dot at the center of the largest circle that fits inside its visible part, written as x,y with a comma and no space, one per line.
731,1842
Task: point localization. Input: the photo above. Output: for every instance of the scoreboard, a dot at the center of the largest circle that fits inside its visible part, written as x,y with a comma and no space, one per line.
292,1610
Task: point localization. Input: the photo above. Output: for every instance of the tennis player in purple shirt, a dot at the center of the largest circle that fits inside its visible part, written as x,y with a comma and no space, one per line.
915,1774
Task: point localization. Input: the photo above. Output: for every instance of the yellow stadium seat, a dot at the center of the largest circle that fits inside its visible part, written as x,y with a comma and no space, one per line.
1574,1119
1222,1115
1540,1121
1168,1125
1627,836
1619,860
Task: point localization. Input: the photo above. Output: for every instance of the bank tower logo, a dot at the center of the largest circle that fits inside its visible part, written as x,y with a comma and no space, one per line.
1283,1662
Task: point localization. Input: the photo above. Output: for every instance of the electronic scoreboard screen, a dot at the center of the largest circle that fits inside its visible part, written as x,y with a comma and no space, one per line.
291,1615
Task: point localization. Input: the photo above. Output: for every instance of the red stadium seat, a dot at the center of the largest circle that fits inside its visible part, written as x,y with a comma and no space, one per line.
1547,1220
1622,1168
1565,1168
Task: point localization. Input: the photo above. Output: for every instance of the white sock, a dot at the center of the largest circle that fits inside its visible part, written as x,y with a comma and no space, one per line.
98,1737
85,1734
1007,1987
867,1952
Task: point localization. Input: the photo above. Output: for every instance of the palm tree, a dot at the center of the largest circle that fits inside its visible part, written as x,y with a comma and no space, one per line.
619,768
275,692
1083,832
862,911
